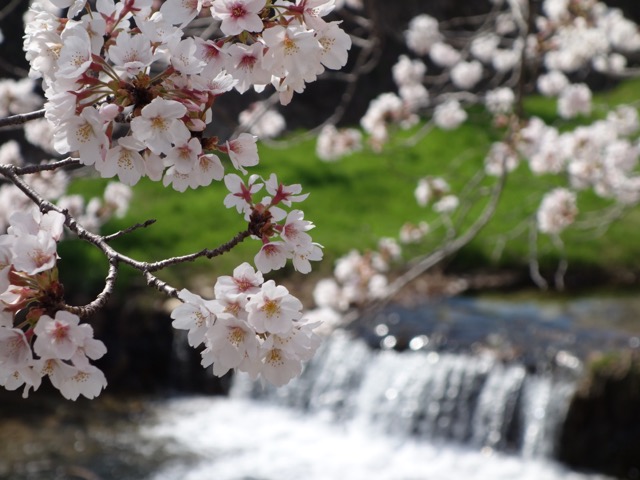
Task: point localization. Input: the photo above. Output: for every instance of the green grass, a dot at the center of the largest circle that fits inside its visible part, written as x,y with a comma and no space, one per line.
366,196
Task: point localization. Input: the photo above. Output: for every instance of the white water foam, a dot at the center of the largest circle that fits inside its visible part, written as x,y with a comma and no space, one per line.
240,439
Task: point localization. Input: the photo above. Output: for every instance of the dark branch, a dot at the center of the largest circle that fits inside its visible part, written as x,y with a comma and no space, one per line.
21,118
29,169
208,253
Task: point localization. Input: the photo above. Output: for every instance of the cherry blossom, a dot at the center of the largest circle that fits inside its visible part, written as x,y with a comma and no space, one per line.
195,315
131,54
238,15
273,309
231,343
557,211
160,125
273,256
280,367
243,151
123,160
75,54
84,133
245,281
422,34
241,196
59,337
181,11
15,351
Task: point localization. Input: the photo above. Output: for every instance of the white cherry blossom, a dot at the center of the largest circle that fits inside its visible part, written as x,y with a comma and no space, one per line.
273,309
131,54
84,133
557,211
75,54
195,315
231,343
123,160
160,125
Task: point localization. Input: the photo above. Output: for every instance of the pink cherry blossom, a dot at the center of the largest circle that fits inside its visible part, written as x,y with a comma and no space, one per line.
35,253
245,281
295,228
273,256
244,63
284,193
241,196
243,151
238,15
15,351
59,337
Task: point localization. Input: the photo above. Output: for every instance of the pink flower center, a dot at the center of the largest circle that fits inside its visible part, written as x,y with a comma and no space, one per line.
248,61
238,11
60,331
243,284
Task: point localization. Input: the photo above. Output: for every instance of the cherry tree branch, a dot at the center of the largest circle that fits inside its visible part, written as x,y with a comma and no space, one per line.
115,258
21,118
446,249
451,247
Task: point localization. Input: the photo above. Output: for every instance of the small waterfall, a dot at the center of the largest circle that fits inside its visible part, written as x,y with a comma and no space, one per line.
468,399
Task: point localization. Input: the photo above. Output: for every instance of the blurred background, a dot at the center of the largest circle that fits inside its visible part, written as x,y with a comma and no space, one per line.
470,371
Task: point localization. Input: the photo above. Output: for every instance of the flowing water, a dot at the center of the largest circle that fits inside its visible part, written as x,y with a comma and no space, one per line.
357,413
426,413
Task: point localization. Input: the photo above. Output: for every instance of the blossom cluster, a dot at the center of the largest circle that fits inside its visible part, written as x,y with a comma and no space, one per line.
263,215
52,186
251,325
334,143
262,121
37,339
358,278
436,190
567,38
132,94
557,211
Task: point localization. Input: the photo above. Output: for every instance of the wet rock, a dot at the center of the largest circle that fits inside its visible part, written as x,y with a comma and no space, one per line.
602,428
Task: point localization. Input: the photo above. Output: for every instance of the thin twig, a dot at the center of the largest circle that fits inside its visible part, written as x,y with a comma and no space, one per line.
132,228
